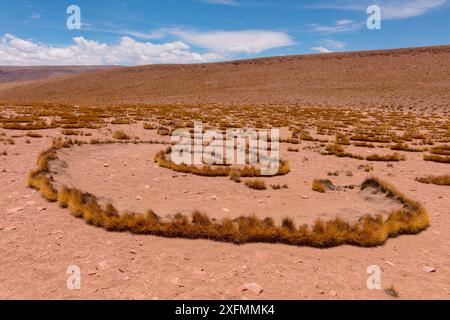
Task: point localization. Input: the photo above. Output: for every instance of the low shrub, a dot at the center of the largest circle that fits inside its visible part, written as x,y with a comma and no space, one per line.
256,184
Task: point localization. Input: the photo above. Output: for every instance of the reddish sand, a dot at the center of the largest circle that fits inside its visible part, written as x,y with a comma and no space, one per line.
39,240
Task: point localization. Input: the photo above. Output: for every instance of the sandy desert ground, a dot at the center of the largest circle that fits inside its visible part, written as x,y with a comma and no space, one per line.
40,239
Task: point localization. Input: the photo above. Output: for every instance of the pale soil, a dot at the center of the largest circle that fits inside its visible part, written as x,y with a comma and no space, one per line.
39,240
126,176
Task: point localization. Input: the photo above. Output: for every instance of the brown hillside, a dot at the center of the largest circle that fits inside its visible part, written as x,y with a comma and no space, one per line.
13,74
400,77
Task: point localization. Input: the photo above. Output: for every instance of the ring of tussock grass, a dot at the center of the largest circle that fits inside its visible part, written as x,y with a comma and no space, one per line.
369,231
210,171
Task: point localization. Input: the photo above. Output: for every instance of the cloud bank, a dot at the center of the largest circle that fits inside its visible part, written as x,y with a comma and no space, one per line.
213,46
17,51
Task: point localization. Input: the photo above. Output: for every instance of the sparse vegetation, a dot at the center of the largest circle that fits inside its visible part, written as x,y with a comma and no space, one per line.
318,186
392,292
396,157
437,180
369,231
120,135
256,184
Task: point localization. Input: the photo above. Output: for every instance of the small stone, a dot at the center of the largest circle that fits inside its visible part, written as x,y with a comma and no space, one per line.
305,197
106,165
138,198
214,197
429,269
185,191
253,287
101,265
390,263
132,251
225,210
15,210
40,209
333,293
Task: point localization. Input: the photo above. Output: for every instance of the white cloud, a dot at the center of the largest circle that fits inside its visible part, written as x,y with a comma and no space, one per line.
35,16
16,51
343,25
402,9
321,49
390,9
222,2
226,42
338,45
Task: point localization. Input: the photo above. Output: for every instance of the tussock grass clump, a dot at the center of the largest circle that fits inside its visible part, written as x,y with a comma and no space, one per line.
256,184
318,186
369,231
396,157
164,161
404,147
392,292
441,150
339,151
120,135
279,186
435,158
235,176
34,134
437,180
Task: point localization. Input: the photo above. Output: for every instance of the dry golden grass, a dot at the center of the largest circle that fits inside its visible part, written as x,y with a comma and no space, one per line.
441,150
436,158
235,176
256,184
369,231
34,135
437,180
396,157
392,292
318,186
120,135
404,147
215,171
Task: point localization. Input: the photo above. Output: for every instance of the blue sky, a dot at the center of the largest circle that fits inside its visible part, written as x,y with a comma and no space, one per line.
34,32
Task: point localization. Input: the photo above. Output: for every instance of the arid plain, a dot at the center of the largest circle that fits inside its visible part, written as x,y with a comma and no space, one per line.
365,148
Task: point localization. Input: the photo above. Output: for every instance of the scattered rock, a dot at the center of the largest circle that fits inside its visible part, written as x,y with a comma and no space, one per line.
132,251
333,293
253,287
101,265
15,210
40,209
176,281
429,269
